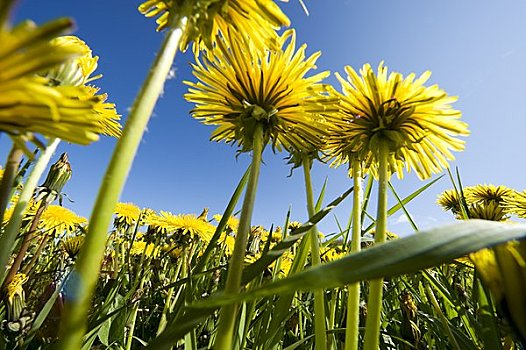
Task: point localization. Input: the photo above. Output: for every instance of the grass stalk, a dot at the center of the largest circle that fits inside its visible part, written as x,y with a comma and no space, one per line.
353,300
7,241
320,330
374,303
88,265
228,314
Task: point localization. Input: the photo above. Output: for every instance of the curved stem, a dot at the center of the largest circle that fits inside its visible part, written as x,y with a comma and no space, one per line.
7,241
353,300
374,304
88,265
319,299
228,315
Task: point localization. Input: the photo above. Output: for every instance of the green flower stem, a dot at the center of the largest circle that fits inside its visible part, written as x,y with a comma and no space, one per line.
11,167
174,273
374,303
353,301
7,240
228,315
320,333
88,264
26,243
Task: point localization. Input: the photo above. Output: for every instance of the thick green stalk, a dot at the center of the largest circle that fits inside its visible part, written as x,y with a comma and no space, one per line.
74,319
7,241
374,302
6,184
353,301
320,330
228,315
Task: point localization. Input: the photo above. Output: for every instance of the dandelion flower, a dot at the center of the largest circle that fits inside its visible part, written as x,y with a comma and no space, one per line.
71,246
15,287
181,225
416,123
232,223
126,214
516,204
206,18
240,88
488,193
450,200
484,202
30,103
57,220
141,247
76,71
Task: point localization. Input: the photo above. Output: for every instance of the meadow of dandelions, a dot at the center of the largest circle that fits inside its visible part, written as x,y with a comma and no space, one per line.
164,280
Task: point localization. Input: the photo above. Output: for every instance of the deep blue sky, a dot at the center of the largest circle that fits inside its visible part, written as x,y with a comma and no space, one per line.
475,49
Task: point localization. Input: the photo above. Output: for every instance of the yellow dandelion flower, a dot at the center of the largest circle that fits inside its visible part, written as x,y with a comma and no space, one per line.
331,253
487,211
287,259
294,225
516,204
228,242
32,104
450,200
232,223
206,18
126,214
76,71
141,247
241,89
481,202
503,270
71,245
416,123
56,220
487,193
184,225
14,288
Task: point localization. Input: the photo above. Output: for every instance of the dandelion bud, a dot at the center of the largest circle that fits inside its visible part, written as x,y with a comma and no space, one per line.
58,175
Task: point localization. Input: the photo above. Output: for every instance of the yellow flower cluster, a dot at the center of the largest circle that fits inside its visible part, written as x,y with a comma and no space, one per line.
478,202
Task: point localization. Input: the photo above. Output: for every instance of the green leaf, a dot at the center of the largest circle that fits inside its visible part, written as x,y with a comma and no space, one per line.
261,264
410,254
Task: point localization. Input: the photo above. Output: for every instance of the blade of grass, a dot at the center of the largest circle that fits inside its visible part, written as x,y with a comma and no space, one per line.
405,255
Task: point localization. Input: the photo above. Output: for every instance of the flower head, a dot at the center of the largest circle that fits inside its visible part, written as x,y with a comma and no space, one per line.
480,202
15,289
516,204
141,247
231,224
71,245
240,87
76,71
57,219
33,104
126,214
417,123
206,18
181,226
450,200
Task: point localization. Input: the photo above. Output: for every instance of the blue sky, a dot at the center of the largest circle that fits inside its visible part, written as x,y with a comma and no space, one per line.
475,49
